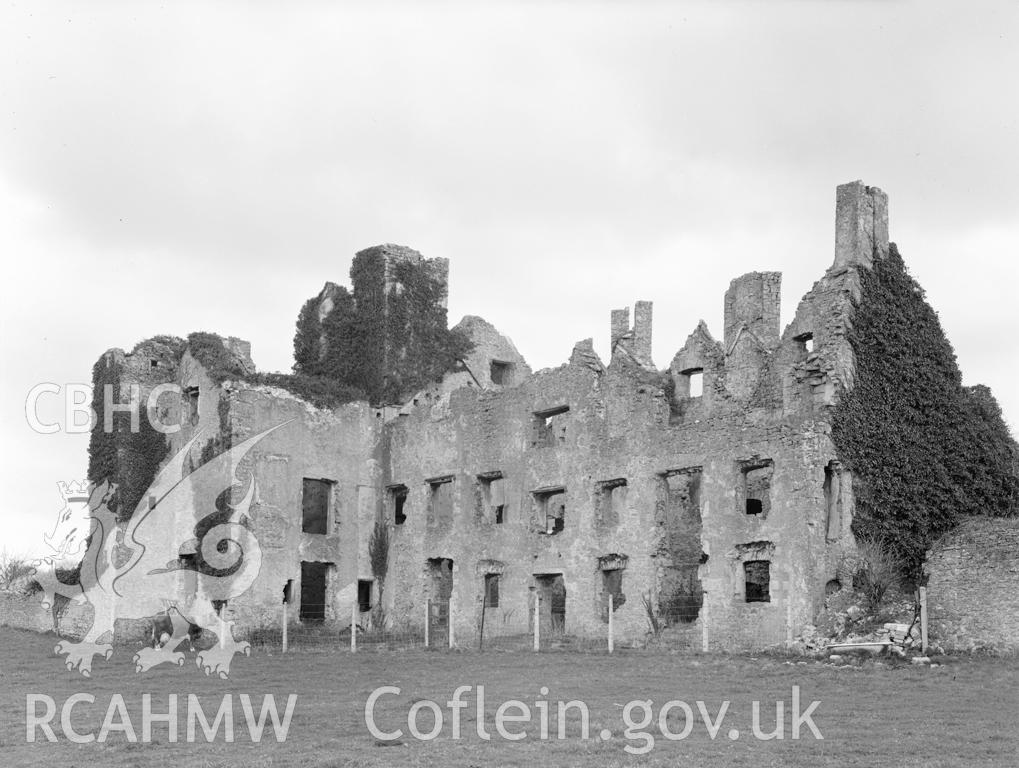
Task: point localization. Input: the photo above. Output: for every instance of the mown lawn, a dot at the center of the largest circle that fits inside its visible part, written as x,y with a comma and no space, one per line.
964,712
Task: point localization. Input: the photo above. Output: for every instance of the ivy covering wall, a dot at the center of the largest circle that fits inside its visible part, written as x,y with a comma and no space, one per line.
924,450
386,344
128,459
220,364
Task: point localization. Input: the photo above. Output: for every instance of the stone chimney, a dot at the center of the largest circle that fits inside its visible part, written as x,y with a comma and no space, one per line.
754,301
635,340
642,330
861,225
620,326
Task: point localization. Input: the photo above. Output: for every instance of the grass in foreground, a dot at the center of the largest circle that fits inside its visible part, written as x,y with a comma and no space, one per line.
961,713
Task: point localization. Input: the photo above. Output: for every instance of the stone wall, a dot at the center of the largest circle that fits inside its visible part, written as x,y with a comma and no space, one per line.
728,508
614,448
972,586
331,447
24,611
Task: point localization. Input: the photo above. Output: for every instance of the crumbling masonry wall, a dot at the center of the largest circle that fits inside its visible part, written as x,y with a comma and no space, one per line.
973,579
727,510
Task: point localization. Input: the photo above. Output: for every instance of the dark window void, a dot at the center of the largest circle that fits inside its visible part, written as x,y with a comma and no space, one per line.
758,581
832,587
491,590
550,427
315,505
833,500
153,363
612,586
501,372
364,595
398,503
191,404
556,520
313,591
756,488
551,508
218,606
552,605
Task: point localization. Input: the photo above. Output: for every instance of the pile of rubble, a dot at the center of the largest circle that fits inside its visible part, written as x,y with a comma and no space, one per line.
846,626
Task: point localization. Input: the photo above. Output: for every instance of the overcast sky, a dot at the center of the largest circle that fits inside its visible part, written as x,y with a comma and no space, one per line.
209,166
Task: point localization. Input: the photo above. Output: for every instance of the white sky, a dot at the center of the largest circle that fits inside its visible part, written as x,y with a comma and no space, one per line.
209,166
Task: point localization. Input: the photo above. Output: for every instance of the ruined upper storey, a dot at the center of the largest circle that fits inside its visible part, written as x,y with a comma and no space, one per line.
387,335
861,224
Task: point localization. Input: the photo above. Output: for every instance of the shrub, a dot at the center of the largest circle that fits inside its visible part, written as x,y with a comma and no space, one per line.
13,568
879,571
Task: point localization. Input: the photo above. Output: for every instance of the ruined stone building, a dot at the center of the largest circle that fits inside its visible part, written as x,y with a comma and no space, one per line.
709,493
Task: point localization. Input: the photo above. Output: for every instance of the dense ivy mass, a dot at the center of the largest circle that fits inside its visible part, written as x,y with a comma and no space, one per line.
220,364
385,345
923,449
128,459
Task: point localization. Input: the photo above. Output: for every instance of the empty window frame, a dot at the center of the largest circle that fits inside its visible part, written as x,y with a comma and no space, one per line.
551,509
549,427
500,372
612,587
755,487
440,501
694,381
491,590
398,503
757,574
190,397
364,595
491,496
314,584
806,342
440,574
610,501
315,498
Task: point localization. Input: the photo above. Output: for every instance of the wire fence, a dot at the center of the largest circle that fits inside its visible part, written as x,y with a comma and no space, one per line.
542,628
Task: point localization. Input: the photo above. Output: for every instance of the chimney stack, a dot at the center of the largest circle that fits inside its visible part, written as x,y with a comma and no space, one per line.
861,225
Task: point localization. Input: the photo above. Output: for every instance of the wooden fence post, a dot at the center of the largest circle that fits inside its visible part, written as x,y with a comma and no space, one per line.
353,626
449,621
484,607
704,622
789,614
286,621
923,619
612,644
537,620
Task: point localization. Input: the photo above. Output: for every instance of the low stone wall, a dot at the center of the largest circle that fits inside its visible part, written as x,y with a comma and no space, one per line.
24,611
973,586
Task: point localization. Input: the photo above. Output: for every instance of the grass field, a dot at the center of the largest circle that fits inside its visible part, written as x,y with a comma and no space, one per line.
964,712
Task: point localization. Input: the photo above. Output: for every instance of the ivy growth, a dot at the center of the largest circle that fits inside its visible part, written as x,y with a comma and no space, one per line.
220,364
924,450
385,344
128,459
